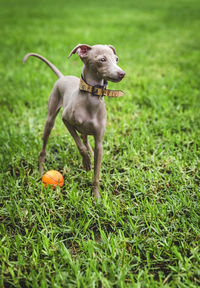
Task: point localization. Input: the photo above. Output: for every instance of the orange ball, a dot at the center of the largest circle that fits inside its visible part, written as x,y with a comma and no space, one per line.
53,178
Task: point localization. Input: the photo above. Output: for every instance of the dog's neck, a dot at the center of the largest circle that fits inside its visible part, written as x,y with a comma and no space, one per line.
90,77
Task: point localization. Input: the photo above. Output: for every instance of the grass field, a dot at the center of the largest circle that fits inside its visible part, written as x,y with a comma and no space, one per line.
145,232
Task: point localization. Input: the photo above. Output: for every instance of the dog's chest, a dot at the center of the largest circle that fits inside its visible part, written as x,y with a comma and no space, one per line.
87,117
89,123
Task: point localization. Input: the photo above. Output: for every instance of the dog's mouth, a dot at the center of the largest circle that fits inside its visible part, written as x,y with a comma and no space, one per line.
115,80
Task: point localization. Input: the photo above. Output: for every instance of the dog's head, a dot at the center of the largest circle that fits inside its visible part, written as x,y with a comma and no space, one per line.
101,60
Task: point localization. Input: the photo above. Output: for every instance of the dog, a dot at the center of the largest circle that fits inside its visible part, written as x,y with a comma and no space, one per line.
83,101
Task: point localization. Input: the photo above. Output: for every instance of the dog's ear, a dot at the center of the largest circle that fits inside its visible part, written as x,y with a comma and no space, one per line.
81,50
113,48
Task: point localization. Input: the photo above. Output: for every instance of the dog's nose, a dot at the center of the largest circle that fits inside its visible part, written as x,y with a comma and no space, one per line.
121,74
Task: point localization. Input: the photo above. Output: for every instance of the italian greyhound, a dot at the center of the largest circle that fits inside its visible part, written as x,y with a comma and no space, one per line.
83,102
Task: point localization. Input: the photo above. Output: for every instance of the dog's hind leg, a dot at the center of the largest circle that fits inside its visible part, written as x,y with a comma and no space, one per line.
54,105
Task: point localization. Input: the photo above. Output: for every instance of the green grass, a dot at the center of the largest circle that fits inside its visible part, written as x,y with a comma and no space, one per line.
145,232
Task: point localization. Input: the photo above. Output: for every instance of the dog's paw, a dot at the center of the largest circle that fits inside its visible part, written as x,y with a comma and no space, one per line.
95,193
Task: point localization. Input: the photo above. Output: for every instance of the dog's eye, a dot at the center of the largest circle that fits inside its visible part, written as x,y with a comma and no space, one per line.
103,59
117,59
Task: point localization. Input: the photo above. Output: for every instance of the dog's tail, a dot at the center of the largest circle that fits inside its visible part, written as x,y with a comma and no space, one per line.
53,68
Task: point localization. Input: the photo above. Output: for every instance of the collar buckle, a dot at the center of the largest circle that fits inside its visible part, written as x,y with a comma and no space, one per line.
96,89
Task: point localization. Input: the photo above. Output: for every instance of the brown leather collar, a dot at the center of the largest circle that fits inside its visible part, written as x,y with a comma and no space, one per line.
99,90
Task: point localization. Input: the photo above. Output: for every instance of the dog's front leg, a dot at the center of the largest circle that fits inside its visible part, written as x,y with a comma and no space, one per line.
87,144
81,147
98,151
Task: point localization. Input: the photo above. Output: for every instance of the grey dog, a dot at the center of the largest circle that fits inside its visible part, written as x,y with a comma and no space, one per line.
83,102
